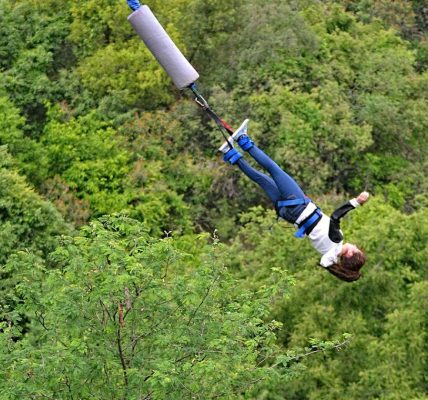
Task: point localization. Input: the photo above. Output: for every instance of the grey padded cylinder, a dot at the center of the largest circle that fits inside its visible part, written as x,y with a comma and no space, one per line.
163,48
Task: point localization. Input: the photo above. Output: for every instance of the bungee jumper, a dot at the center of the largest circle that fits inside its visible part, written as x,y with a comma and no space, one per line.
343,260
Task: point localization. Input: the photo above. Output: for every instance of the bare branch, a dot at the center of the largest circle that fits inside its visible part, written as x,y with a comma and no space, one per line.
128,300
120,313
121,355
106,310
148,396
203,300
338,346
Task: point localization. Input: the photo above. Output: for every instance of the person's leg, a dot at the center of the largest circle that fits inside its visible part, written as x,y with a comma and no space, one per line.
269,185
264,181
286,184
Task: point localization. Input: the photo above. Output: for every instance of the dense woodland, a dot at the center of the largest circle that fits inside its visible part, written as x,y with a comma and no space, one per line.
135,264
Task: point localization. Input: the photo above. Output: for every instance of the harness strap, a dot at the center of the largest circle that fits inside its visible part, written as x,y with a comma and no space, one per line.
292,202
134,4
232,156
307,224
245,143
316,216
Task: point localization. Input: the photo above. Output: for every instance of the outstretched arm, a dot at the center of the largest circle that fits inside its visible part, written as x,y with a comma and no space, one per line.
348,206
334,231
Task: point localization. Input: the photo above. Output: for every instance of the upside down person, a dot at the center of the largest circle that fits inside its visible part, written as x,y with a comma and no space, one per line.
344,260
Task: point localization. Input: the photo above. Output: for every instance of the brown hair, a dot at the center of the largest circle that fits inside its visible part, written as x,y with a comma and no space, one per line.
348,268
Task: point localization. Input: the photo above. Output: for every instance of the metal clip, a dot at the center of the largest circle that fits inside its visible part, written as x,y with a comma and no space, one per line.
199,99
202,103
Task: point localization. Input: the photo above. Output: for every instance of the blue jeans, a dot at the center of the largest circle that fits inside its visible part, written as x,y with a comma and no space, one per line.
280,187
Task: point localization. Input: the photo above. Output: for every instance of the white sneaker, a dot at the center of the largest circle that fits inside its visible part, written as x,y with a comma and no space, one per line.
242,130
224,148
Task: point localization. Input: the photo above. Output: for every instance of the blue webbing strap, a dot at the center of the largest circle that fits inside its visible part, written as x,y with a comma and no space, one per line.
245,142
292,202
134,4
303,228
232,156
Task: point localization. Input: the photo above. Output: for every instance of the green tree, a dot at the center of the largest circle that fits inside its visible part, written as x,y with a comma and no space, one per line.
26,220
87,154
28,153
123,315
28,223
36,39
130,75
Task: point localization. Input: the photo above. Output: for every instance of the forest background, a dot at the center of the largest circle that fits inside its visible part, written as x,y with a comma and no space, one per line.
135,264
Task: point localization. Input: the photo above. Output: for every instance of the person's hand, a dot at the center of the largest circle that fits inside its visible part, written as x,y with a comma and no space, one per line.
363,197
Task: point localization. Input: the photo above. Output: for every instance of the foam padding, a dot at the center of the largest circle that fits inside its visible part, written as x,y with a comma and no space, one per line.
162,47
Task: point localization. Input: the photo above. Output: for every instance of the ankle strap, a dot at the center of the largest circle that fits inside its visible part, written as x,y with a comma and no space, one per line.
232,156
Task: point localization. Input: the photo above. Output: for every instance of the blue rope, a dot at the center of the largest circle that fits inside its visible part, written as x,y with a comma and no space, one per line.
134,4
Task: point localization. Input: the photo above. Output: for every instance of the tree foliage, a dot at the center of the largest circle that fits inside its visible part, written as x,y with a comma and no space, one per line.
147,319
27,221
190,288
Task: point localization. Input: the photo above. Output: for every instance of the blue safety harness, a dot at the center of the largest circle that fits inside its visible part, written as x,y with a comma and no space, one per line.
303,227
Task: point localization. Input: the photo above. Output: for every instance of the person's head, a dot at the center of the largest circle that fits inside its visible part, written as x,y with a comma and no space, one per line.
349,263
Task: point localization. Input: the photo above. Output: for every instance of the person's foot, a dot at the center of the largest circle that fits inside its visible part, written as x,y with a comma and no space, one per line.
225,147
242,130
239,133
